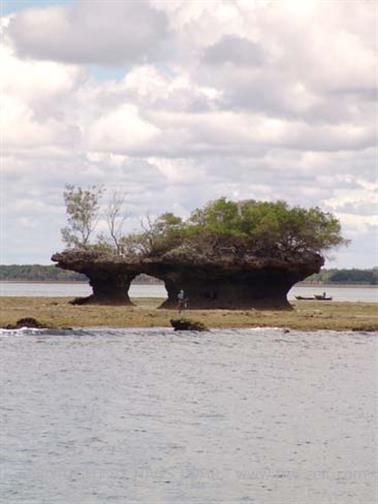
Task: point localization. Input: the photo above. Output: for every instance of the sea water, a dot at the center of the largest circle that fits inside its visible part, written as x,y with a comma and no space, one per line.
152,416
368,294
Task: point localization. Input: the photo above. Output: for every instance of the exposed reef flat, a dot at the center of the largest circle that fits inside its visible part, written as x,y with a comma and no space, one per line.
306,315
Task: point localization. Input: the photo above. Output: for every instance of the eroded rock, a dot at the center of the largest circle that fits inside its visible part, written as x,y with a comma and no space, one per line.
208,283
183,324
29,322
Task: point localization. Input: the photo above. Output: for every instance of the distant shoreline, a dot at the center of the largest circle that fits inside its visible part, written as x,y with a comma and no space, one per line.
81,282
68,282
315,285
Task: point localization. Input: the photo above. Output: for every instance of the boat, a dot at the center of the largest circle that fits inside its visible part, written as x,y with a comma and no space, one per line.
315,297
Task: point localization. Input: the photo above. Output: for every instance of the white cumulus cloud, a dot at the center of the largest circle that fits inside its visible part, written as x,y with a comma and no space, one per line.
246,99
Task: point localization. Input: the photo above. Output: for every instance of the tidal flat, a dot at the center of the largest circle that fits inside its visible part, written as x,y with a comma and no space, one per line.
306,315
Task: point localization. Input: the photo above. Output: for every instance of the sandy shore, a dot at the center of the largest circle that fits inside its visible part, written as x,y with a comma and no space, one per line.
307,315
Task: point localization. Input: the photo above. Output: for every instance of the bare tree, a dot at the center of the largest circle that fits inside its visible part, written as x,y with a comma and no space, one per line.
82,208
115,218
149,234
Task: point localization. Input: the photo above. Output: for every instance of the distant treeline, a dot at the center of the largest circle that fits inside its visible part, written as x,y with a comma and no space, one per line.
346,276
39,273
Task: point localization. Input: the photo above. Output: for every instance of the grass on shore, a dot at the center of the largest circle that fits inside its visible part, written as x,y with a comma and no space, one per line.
307,315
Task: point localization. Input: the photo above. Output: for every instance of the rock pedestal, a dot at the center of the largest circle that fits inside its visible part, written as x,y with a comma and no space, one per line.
208,284
235,287
110,288
109,277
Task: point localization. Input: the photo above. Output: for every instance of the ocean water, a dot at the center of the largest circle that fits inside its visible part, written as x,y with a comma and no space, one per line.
151,416
354,294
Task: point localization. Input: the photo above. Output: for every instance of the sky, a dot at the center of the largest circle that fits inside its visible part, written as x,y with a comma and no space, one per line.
175,103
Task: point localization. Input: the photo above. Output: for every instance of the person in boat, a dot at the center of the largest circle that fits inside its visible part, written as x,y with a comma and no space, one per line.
324,295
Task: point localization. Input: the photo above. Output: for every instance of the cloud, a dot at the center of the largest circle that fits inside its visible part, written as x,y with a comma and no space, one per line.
121,130
107,33
264,100
34,80
234,50
314,62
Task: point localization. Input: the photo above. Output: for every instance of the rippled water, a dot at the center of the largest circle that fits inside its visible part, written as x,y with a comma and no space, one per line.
152,416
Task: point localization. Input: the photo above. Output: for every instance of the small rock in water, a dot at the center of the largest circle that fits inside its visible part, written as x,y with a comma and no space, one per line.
29,322
183,324
365,328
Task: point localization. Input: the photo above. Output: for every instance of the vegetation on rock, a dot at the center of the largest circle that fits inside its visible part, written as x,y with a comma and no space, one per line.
82,207
225,255
263,229
222,228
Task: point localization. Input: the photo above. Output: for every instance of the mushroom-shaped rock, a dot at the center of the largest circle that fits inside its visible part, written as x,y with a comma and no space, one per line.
109,275
225,282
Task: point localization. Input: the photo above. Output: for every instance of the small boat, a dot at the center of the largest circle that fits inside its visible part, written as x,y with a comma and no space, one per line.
321,297
315,297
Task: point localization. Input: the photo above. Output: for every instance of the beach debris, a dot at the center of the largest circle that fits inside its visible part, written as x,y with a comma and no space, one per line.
183,324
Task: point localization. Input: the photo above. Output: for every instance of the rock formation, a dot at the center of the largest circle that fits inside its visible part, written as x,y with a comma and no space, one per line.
228,283
183,324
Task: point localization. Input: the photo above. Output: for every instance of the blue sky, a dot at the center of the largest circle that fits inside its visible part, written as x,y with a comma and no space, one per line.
9,6
178,103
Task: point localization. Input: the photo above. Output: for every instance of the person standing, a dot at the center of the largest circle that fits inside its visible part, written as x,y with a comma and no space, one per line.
181,301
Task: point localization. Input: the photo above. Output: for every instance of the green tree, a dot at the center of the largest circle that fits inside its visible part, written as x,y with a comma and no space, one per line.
161,234
260,228
82,208
269,227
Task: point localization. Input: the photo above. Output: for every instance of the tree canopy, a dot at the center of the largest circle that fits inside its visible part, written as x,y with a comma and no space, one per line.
222,227
250,227
82,207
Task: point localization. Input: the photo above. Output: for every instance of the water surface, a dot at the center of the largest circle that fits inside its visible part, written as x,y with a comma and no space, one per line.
153,416
365,294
